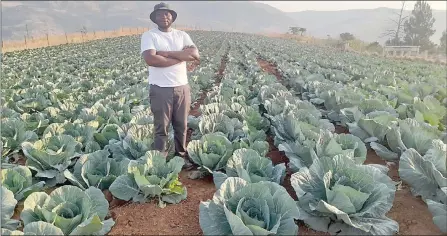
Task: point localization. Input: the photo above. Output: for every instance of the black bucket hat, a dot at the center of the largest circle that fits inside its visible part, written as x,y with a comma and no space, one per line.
163,6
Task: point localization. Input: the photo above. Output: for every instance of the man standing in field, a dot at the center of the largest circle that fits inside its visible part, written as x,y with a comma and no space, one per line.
166,51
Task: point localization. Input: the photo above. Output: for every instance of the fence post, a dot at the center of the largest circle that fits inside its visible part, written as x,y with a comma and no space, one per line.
48,40
66,38
26,45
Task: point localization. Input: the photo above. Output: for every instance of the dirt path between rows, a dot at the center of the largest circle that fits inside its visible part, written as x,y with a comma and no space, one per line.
279,157
195,111
410,212
174,219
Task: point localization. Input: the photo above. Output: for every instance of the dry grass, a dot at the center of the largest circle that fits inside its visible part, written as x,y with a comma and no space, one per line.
53,40
298,38
358,45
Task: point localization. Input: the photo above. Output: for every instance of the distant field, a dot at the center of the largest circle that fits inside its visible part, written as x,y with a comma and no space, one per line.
287,138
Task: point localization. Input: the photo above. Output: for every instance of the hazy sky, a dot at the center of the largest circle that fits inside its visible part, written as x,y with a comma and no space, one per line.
290,6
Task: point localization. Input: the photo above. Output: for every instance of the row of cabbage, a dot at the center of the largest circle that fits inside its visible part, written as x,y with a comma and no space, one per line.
335,192
229,144
398,109
85,126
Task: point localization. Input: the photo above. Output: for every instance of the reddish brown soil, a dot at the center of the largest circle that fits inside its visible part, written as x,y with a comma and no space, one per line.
195,110
372,158
341,130
19,158
175,219
274,154
410,212
412,215
304,230
269,68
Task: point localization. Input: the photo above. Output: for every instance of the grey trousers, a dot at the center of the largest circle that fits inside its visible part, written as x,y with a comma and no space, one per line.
170,105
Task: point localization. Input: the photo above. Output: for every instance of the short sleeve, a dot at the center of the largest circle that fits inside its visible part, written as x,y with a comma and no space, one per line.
187,41
147,42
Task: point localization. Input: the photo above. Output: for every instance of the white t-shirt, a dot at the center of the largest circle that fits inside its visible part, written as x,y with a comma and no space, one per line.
175,40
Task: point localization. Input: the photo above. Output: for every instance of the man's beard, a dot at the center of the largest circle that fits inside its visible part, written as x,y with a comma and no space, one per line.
163,26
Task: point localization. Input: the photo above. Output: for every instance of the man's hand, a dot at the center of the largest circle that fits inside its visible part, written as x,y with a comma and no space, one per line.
189,53
153,59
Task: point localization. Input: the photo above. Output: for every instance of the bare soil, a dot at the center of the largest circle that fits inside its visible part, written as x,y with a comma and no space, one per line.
279,157
270,68
410,212
175,219
341,130
195,110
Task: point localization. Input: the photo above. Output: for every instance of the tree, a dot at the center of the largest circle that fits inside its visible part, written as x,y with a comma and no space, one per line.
443,43
395,34
294,29
419,27
302,31
347,36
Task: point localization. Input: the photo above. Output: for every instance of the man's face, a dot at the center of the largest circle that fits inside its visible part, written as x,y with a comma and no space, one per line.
163,18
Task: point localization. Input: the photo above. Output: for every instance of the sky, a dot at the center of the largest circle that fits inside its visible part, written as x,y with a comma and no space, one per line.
293,6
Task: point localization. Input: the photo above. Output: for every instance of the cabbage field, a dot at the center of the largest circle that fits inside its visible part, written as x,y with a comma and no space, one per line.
288,139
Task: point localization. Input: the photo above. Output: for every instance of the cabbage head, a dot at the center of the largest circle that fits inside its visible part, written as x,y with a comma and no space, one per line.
96,169
250,166
14,133
51,156
409,134
373,126
242,208
19,180
213,123
211,152
338,196
35,228
427,174
69,208
7,210
439,212
133,143
303,151
151,176
82,133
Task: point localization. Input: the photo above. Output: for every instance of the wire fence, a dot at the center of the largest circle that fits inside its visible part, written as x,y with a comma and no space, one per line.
79,37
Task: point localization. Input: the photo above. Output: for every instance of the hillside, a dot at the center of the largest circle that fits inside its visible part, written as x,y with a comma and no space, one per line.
366,24
58,17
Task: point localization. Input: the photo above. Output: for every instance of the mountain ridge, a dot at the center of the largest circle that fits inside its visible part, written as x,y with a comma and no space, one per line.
58,17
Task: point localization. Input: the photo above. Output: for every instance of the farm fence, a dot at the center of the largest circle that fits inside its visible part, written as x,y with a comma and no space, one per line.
67,38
